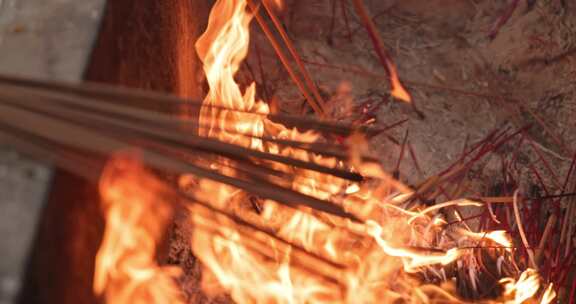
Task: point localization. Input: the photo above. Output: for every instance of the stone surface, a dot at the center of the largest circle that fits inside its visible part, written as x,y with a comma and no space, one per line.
23,184
48,38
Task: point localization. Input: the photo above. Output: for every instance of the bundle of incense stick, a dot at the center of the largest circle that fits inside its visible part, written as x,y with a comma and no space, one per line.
77,126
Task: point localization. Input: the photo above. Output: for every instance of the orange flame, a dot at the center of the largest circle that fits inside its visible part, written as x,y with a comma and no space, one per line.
315,257
137,213
255,268
525,288
398,89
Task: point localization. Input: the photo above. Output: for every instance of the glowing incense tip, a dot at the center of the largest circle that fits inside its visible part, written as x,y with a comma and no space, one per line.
398,90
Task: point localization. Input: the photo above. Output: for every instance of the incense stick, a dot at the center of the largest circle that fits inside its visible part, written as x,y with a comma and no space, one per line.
318,108
82,138
176,137
144,99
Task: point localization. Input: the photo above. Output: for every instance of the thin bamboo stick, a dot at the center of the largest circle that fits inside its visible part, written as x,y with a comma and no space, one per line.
82,138
398,89
545,236
318,108
529,249
72,162
190,199
175,136
141,98
232,151
294,53
90,170
174,122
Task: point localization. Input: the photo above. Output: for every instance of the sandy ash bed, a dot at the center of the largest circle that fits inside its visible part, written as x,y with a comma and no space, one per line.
444,56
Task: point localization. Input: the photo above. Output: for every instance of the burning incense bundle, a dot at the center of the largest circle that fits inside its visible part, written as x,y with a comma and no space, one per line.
279,212
79,126
70,120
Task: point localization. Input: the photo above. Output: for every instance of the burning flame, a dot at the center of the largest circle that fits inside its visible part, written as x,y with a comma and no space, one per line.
525,288
358,262
398,89
137,212
314,257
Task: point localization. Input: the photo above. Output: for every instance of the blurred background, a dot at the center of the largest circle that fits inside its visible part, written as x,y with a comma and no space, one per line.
38,38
